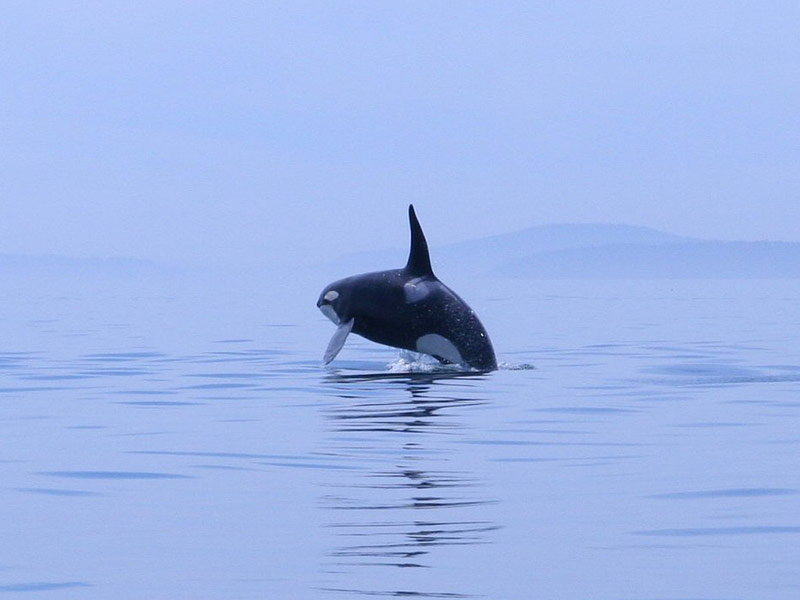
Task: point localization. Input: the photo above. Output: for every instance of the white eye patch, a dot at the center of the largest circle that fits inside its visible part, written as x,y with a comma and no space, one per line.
331,295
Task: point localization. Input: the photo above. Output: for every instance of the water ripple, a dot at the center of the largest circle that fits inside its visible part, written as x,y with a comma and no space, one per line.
112,475
41,586
422,408
731,493
722,531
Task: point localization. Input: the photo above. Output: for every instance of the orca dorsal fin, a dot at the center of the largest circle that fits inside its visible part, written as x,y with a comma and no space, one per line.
419,260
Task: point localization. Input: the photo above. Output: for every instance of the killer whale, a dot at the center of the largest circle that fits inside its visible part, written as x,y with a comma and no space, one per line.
408,308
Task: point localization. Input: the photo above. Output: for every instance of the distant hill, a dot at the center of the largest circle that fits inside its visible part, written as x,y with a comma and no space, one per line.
708,260
596,251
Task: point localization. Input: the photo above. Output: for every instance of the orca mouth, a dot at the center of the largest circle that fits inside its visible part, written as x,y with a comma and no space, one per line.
328,311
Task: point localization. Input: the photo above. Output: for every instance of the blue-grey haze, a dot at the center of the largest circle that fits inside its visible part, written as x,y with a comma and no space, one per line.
597,252
549,252
179,180
201,132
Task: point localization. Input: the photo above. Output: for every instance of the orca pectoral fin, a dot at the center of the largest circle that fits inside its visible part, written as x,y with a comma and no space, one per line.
337,341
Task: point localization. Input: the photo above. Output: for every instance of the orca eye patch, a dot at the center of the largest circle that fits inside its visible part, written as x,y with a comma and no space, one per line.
331,296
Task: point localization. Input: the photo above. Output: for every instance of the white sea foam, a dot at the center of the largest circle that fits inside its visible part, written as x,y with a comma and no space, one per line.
511,366
414,362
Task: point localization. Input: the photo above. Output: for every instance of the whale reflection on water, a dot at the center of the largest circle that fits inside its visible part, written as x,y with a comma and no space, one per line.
409,505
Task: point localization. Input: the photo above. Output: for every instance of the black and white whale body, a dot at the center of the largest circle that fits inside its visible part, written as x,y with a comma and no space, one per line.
408,308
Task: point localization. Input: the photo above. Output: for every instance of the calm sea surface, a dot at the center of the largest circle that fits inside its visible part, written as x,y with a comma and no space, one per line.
179,438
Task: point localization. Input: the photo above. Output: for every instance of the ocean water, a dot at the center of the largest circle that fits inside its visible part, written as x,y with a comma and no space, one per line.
177,437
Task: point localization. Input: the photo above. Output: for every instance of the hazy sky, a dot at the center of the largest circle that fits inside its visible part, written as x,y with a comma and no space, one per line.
228,132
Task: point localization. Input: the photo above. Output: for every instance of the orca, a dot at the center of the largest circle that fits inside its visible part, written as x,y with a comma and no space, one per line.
408,308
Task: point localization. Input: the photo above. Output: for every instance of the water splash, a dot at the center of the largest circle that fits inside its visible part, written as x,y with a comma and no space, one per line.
510,366
414,362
